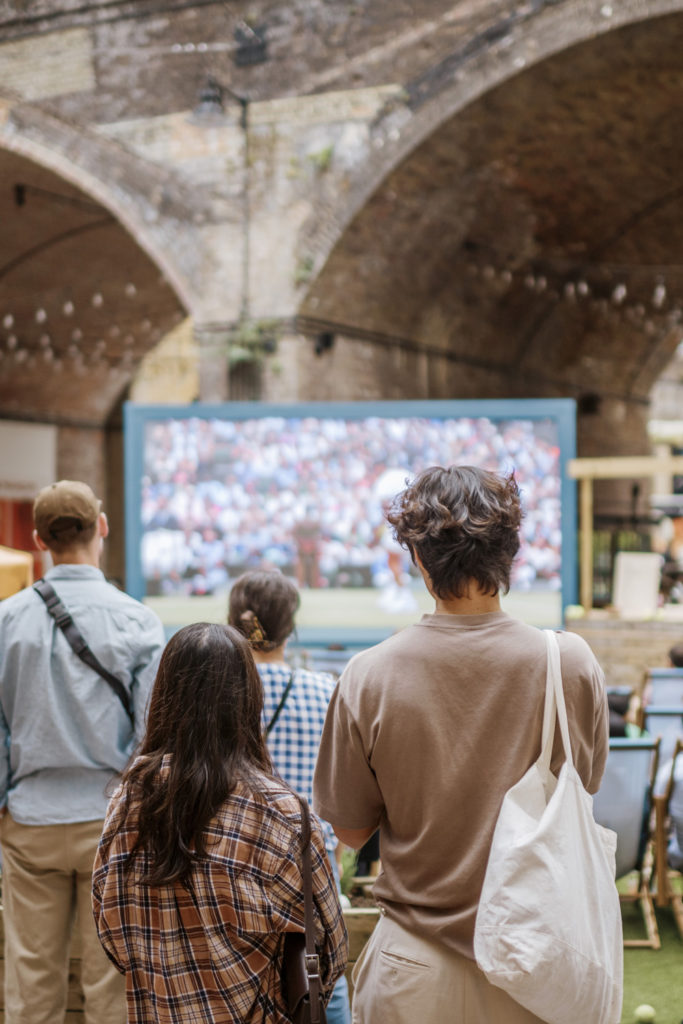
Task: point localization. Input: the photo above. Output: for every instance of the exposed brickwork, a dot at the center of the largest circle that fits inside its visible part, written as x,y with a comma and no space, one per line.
478,199
627,650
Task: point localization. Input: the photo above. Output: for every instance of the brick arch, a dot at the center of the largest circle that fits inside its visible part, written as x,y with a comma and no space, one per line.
503,48
82,300
522,240
131,189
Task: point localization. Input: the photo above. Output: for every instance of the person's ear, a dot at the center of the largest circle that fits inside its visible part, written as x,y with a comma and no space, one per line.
40,544
102,525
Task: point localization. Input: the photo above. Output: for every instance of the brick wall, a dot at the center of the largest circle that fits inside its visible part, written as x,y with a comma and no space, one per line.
627,649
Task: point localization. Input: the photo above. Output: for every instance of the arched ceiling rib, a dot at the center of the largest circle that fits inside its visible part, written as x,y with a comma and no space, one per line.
80,303
537,233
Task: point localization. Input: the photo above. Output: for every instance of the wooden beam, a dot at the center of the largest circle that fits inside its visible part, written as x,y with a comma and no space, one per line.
610,467
586,542
615,467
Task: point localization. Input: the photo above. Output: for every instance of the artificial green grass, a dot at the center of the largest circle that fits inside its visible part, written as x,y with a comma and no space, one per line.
653,976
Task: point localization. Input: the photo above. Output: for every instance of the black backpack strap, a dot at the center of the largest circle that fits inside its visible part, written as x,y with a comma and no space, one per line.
63,619
278,709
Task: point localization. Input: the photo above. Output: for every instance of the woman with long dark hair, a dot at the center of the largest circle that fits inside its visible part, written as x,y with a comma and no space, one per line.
198,872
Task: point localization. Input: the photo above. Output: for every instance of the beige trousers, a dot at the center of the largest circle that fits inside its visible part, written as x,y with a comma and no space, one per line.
401,978
46,888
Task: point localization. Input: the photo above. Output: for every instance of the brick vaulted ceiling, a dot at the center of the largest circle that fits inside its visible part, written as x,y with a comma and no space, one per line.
80,303
537,236
534,239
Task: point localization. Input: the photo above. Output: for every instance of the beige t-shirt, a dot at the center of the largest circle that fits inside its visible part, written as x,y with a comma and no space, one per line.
424,735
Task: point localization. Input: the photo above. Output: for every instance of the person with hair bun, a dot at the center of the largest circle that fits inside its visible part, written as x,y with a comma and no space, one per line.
198,874
262,606
425,734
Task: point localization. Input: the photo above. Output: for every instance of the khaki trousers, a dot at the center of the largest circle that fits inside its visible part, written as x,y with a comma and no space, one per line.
401,978
46,888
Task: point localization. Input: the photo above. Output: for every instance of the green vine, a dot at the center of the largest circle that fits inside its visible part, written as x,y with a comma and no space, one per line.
250,341
322,158
304,270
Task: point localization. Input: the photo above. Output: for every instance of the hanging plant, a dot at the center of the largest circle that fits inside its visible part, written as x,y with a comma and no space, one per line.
251,341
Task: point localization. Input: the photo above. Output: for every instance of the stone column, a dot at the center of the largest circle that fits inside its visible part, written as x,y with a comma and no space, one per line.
82,455
213,342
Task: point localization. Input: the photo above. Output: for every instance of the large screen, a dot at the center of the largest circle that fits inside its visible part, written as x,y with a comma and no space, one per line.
215,490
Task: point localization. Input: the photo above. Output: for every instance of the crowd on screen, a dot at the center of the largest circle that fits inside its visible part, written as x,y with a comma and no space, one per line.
303,495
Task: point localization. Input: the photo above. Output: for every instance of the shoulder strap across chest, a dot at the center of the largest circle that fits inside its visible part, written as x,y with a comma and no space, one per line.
77,643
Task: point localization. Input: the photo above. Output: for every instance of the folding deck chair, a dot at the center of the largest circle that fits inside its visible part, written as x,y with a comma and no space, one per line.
669,883
664,687
667,723
623,803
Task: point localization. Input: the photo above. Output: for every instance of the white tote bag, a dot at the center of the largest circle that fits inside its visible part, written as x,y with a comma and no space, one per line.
548,928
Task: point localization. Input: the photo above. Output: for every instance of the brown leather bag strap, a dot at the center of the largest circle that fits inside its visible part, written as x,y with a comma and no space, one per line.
312,958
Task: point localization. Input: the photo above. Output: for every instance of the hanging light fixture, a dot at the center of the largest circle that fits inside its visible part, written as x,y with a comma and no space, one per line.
209,109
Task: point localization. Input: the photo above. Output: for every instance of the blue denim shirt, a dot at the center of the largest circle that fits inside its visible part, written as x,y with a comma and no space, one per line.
64,734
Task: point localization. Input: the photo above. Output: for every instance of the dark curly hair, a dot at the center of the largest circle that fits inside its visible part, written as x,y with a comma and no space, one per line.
463,525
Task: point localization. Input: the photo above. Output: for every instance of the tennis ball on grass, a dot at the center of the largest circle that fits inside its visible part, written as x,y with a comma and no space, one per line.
644,1013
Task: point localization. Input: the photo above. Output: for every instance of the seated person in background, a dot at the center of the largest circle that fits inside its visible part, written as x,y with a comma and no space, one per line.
623,712
198,871
262,607
672,569
676,656
675,851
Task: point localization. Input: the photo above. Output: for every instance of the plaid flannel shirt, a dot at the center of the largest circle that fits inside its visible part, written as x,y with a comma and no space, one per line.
295,738
211,953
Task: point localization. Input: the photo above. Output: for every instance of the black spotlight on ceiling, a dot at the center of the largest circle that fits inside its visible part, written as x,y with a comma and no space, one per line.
588,404
323,342
252,47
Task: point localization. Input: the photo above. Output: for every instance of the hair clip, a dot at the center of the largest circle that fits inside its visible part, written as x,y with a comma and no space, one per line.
256,633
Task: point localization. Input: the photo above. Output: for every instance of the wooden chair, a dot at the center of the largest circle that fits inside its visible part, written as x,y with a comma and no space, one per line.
623,803
666,893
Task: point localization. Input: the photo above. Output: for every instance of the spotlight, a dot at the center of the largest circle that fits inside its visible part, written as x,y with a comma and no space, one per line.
251,47
588,404
323,342
209,109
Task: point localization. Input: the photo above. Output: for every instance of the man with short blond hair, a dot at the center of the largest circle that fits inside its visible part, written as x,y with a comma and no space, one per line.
66,735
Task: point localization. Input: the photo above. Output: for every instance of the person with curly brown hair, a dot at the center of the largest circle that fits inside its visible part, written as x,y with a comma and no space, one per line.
425,734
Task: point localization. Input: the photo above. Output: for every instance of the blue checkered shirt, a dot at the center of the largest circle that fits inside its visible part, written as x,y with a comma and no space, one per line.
293,743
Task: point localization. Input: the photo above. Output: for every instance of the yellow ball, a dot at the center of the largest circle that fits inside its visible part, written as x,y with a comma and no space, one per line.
644,1013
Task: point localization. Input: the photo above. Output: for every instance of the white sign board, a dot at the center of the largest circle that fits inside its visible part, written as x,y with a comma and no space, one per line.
636,584
28,459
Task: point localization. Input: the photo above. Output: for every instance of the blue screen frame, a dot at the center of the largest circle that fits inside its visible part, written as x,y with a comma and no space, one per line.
560,410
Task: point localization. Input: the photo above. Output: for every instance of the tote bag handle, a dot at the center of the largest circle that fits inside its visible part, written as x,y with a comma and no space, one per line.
554,706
